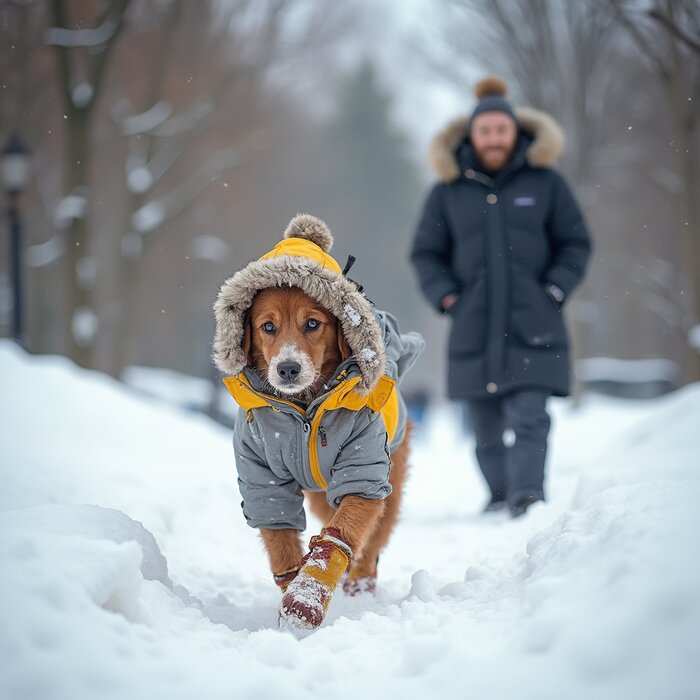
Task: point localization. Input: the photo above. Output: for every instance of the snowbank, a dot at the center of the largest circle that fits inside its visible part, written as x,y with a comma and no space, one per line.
594,594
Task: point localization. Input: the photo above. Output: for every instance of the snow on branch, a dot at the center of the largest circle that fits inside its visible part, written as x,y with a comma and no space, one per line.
188,121
149,217
208,247
146,121
69,38
81,94
72,206
43,254
152,215
141,176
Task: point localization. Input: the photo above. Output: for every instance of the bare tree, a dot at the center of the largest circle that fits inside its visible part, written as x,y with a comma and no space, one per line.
556,56
674,23
574,61
665,34
83,56
184,140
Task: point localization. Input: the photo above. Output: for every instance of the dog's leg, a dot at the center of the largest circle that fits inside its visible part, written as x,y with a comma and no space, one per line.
362,576
305,603
319,506
356,519
285,551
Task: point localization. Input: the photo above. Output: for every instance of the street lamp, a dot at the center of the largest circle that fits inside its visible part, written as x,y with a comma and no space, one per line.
14,172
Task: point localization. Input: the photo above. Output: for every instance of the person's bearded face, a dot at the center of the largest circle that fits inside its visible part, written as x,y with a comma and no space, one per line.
493,136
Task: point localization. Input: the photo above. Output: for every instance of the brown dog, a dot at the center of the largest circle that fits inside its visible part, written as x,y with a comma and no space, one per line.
295,345
314,366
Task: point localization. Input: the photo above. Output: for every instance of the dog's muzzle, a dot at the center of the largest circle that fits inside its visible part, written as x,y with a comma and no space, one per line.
291,371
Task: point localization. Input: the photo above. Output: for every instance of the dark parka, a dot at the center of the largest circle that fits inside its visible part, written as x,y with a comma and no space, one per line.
498,242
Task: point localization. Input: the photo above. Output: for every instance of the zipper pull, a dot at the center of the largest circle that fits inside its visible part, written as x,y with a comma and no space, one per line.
322,433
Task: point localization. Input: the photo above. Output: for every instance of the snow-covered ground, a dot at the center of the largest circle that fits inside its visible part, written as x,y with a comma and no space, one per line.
595,594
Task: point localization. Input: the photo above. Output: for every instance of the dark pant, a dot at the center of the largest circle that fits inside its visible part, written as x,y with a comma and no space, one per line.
516,469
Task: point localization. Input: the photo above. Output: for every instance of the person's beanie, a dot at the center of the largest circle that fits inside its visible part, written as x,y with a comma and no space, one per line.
491,92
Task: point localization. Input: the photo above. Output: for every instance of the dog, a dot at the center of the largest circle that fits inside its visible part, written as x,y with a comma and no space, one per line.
296,345
314,369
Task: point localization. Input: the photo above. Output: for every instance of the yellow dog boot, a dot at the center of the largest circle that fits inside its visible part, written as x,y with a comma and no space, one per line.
361,577
305,602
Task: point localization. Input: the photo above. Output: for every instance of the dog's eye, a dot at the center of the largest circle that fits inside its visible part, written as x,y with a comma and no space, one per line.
268,327
312,324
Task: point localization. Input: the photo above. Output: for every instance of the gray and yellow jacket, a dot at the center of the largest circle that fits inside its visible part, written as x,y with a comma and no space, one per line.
342,441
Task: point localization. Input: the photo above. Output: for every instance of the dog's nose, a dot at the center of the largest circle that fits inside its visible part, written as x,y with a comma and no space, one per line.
288,370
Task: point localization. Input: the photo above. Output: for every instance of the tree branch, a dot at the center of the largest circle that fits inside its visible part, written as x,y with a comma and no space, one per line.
674,29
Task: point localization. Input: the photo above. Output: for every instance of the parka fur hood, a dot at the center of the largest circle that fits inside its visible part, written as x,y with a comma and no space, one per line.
301,260
546,147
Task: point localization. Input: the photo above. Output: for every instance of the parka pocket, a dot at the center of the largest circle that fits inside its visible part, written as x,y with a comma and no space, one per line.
535,320
468,333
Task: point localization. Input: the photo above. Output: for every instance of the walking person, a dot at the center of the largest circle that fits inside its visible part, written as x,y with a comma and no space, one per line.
500,246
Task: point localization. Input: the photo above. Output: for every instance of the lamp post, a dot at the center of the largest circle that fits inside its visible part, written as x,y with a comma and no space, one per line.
14,173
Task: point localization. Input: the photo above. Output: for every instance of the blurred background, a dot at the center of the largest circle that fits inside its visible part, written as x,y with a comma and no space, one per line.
152,147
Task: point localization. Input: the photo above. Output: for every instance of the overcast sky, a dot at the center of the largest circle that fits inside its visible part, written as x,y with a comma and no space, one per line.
397,32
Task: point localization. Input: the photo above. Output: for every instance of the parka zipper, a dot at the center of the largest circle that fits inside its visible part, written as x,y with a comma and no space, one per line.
496,260
313,440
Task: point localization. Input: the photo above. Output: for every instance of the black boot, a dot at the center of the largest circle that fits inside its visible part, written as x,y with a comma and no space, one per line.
523,503
495,505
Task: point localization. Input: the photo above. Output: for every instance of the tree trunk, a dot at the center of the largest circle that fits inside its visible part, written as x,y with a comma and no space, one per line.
78,294
126,336
688,218
79,315
688,225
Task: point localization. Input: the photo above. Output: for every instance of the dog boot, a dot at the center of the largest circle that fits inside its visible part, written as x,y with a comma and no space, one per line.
306,600
361,577
284,578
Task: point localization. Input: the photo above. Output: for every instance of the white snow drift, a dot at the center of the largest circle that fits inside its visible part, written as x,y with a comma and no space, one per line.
594,594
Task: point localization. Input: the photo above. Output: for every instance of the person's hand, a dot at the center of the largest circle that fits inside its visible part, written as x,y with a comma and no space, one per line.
449,301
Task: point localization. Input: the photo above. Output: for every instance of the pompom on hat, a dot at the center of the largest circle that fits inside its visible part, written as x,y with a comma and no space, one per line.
312,229
301,259
491,85
491,93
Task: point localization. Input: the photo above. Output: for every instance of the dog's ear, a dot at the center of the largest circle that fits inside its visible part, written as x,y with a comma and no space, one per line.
247,338
343,346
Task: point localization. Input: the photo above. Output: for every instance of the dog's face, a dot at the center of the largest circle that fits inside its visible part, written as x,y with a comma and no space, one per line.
293,342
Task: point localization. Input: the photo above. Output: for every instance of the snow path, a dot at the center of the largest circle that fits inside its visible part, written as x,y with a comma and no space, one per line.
594,594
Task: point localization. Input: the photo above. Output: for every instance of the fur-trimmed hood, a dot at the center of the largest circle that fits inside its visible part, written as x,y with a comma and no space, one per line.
301,260
544,150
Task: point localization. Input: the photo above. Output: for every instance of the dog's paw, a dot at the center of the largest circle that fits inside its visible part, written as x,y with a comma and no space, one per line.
305,603
360,578
308,595
363,584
